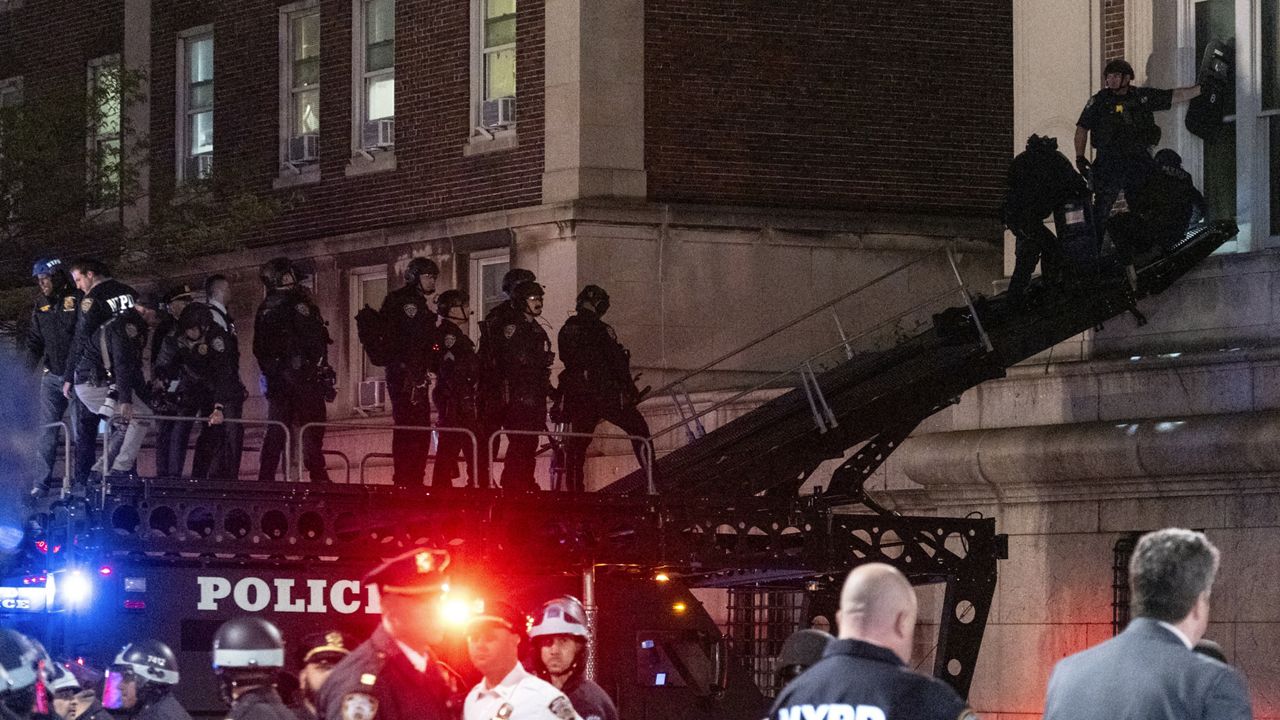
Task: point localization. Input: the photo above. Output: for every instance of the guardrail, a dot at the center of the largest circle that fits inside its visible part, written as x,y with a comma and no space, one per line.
475,445
66,454
646,442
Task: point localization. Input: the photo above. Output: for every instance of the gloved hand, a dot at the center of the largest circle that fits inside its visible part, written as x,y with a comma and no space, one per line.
1083,165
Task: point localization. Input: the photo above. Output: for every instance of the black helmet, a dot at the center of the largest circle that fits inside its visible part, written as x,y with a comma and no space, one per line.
1119,65
596,296
418,267
195,315
1169,158
525,290
247,643
273,271
514,277
150,660
1042,143
451,299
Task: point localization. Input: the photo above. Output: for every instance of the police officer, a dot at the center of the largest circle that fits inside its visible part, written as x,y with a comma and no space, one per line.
799,652
320,653
524,374
291,344
410,334
395,674
1040,180
560,657
457,400
75,692
492,402
225,455
102,298
19,671
507,690
248,655
1119,120
141,681
596,383
119,387
864,673
163,394
53,324
1160,210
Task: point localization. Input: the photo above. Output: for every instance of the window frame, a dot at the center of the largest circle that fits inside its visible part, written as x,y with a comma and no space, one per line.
183,111
477,262
291,172
502,136
356,278
360,75
94,138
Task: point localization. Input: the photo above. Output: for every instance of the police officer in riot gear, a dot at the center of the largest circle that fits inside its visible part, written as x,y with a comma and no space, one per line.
1119,120
248,655
53,324
291,344
864,672
596,383
457,399
524,382
19,671
1159,210
141,680
1040,180
492,403
410,335
559,640
396,674
118,386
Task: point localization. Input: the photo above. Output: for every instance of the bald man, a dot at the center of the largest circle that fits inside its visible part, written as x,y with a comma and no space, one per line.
863,674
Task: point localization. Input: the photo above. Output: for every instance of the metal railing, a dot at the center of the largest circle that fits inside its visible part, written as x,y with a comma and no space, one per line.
66,454
475,445
646,443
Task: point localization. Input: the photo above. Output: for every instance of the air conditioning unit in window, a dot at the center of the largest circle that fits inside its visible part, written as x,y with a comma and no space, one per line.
200,166
372,394
380,133
304,149
498,112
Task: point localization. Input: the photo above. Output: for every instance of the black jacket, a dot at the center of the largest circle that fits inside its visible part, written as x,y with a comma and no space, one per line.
166,708
290,340
377,675
410,333
104,301
589,699
597,368
524,361
53,325
124,338
458,369
262,703
853,673
206,368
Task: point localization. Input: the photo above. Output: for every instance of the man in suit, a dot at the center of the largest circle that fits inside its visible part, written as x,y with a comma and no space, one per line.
1149,671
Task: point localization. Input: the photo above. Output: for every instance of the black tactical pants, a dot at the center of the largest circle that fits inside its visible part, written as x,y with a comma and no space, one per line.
409,448
583,419
522,450
295,407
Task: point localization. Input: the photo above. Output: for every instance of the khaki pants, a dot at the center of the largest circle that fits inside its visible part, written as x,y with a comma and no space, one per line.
94,397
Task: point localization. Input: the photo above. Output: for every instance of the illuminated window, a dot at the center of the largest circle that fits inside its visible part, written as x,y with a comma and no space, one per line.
105,96
375,63
300,88
494,64
195,106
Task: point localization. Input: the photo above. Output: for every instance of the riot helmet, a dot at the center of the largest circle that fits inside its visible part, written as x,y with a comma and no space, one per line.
273,273
1042,143
195,315
450,299
1119,66
1168,158
19,672
418,267
148,669
595,297
521,294
514,277
800,651
48,266
56,676
561,617
247,651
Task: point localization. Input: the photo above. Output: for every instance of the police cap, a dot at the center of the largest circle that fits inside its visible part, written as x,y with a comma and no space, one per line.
502,615
179,293
328,646
418,572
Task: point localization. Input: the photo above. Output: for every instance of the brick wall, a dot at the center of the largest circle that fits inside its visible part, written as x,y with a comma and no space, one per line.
1112,29
432,179
872,105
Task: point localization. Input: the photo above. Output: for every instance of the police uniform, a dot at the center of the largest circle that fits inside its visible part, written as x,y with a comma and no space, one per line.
260,703
290,342
859,679
519,696
524,371
377,681
104,301
596,385
492,400
53,324
226,458
1122,128
1160,210
329,648
457,401
1040,179
410,335
589,699
115,355
168,432
166,708
215,375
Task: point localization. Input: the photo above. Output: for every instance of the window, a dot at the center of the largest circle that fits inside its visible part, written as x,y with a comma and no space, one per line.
1270,49
487,269
493,67
195,106
375,63
368,287
104,161
1216,19
10,99
300,84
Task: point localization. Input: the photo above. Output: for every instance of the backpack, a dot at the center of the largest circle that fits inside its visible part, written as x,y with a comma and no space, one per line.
371,328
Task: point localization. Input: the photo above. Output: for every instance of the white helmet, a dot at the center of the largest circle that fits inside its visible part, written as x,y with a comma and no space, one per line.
562,616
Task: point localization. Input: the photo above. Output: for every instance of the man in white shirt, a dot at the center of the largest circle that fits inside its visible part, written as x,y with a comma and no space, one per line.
508,691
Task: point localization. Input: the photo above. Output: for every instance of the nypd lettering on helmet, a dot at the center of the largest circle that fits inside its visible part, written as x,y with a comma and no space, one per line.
833,711
287,595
